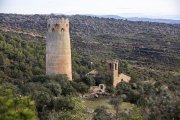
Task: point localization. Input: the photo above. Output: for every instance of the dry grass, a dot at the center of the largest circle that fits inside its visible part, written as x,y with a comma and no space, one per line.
93,104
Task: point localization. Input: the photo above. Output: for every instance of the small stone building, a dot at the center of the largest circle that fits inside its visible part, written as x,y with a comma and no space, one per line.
112,68
124,78
98,89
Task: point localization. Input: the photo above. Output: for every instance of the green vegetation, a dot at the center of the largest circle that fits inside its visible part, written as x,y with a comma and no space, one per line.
93,104
105,102
146,44
23,68
148,52
101,113
15,107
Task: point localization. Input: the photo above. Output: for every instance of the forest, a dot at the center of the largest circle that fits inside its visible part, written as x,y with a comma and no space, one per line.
148,52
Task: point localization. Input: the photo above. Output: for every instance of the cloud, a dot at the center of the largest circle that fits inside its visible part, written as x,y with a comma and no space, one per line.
98,7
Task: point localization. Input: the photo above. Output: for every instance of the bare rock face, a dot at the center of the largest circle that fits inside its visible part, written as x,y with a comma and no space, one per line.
58,48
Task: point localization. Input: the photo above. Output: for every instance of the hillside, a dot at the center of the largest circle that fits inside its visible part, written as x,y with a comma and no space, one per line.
148,52
144,43
168,21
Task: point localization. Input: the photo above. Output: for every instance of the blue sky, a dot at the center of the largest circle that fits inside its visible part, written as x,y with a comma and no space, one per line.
168,9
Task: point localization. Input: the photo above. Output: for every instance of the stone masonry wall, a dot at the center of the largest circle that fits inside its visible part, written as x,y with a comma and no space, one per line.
58,48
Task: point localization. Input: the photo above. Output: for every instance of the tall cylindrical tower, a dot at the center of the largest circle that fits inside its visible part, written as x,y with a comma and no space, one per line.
58,48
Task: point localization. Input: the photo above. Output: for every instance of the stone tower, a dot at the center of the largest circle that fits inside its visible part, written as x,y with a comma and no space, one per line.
58,47
112,67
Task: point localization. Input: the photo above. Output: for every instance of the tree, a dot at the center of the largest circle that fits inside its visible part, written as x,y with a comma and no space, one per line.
40,78
100,113
66,85
89,80
16,107
54,87
1,37
123,67
39,93
116,101
1,60
122,88
105,78
71,108
135,114
81,88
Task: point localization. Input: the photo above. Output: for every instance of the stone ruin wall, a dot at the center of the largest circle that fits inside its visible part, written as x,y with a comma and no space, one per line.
112,67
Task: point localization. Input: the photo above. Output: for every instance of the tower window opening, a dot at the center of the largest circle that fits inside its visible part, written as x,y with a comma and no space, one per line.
62,29
56,26
115,66
53,29
110,66
66,25
101,86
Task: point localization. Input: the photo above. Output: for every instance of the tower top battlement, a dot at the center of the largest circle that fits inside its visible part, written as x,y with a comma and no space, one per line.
58,20
58,25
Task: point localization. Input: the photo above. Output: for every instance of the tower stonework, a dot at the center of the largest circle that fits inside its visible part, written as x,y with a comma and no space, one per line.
58,48
112,67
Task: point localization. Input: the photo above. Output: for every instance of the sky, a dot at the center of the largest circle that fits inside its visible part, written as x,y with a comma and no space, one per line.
165,9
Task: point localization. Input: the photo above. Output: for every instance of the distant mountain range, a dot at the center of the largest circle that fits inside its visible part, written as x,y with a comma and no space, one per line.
168,21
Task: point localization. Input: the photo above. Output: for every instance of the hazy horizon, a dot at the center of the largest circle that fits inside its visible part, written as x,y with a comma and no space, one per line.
159,9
